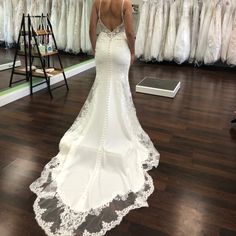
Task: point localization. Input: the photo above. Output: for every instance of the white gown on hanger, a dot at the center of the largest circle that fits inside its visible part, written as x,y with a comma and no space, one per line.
21,9
55,17
84,36
182,41
8,22
77,30
150,28
157,31
100,173
71,24
62,27
1,21
166,12
171,33
231,55
194,30
206,15
213,48
227,25
142,30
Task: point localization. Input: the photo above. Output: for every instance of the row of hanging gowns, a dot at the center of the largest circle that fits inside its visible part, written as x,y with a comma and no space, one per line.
199,31
69,18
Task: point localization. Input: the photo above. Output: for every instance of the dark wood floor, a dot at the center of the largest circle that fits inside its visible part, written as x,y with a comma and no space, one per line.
195,183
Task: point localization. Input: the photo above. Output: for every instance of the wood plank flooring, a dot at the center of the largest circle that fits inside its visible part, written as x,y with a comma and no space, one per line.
195,183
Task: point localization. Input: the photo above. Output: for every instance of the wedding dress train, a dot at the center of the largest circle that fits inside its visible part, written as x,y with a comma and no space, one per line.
100,172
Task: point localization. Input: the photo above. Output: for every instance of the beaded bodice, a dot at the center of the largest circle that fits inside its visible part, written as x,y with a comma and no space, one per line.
119,29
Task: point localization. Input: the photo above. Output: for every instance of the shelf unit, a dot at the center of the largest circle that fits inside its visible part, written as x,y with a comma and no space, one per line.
29,34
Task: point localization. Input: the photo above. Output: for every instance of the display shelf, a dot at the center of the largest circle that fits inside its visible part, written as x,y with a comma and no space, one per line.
30,48
22,71
42,32
55,52
37,33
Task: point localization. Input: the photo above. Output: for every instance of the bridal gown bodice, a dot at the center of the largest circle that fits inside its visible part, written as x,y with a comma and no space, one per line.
100,172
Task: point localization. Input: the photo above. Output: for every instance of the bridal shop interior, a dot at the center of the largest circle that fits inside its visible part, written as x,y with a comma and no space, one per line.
187,51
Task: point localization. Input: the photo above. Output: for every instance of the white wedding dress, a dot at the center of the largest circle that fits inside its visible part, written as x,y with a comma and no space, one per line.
157,31
100,172
227,24
84,36
194,30
1,21
71,25
213,48
62,27
8,22
205,20
166,12
182,41
150,29
77,28
231,54
171,33
142,30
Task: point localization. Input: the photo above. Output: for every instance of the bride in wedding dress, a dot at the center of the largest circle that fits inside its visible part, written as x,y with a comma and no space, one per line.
100,172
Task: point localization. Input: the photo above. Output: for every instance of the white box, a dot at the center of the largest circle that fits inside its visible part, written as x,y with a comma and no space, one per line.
159,87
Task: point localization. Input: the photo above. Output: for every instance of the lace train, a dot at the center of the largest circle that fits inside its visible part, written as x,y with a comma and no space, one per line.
64,221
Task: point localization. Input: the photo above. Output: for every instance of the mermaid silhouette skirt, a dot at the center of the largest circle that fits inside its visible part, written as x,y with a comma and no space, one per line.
100,172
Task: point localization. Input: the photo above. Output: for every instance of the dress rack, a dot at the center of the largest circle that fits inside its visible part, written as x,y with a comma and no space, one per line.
29,48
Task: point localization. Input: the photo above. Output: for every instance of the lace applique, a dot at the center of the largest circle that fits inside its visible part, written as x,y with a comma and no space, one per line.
111,34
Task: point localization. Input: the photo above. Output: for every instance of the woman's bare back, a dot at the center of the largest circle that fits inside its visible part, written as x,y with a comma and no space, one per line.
111,13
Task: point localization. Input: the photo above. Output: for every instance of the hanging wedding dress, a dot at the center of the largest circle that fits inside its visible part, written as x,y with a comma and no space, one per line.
213,48
21,9
48,7
55,17
1,21
157,31
14,22
150,28
166,9
70,24
206,15
142,30
41,7
182,42
231,55
171,33
195,30
84,37
227,24
100,173
8,22
76,37
62,27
